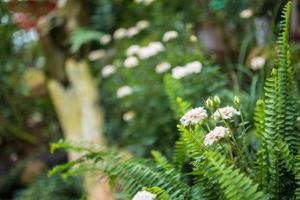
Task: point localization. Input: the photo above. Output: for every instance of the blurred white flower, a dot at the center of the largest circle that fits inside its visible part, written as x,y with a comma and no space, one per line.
132,50
131,62
150,50
105,39
193,116
156,46
225,113
245,14
143,24
132,31
257,62
108,70
179,72
169,35
128,116
162,67
35,118
193,67
193,38
144,195
145,2
97,54
120,33
190,68
214,135
124,91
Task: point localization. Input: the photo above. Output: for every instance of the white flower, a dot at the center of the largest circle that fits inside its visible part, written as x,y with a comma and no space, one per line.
162,67
179,72
128,116
35,118
124,91
193,116
148,2
245,14
145,2
143,24
193,67
257,62
131,62
132,50
150,50
108,70
144,195
156,47
133,31
190,68
214,135
105,39
169,35
97,54
120,33
193,38
225,113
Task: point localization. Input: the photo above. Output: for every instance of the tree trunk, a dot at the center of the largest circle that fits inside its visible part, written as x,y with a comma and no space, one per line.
71,86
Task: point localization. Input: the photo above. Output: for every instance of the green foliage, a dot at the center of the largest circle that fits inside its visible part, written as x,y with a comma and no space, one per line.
210,158
235,185
83,36
54,188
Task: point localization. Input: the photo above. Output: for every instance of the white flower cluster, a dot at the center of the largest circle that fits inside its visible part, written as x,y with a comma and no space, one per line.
257,62
121,33
193,116
108,70
133,50
214,135
131,62
124,91
169,35
145,52
245,14
194,67
144,2
142,24
144,195
128,116
105,39
162,67
225,113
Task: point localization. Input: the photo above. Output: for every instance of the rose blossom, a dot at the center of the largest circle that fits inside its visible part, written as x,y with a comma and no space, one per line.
214,135
193,116
225,113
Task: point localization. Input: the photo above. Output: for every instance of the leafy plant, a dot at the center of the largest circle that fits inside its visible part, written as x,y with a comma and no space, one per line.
211,159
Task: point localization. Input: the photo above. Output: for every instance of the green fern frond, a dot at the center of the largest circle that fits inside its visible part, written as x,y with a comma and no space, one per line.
235,184
207,184
164,164
286,85
173,89
270,154
297,172
259,117
193,141
179,154
136,174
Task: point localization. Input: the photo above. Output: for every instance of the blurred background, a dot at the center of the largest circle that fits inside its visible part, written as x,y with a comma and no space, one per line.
104,71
